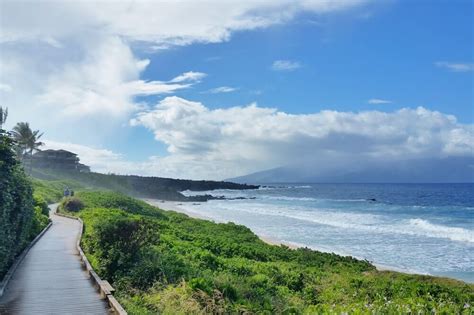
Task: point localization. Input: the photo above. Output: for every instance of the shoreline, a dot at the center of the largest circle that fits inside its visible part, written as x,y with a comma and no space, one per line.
176,206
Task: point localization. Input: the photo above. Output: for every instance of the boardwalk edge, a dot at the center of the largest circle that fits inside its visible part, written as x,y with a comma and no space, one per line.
19,259
105,289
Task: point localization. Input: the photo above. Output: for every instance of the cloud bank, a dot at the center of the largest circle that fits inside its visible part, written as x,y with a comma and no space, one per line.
221,143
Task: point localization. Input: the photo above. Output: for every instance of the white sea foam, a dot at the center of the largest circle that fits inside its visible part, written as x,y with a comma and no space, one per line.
424,227
372,223
286,198
301,187
377,224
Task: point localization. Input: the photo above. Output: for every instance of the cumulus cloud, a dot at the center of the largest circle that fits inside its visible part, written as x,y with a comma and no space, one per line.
161,22
85,52
285,65
105,81
378,101
456,66
220,143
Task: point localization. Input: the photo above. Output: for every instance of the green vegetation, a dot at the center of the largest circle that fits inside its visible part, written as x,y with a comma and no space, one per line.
137,186
72,204
52,191
22,216
165,262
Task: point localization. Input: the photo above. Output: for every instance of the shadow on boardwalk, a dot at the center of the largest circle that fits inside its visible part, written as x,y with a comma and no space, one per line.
50,280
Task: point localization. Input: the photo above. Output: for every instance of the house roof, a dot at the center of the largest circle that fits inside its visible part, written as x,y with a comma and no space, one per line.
55,152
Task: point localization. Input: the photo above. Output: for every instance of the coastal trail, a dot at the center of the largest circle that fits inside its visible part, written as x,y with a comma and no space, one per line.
50,279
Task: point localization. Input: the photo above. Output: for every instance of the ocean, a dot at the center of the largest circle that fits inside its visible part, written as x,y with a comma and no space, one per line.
416,228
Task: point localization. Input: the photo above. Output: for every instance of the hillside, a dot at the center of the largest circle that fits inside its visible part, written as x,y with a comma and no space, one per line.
137,186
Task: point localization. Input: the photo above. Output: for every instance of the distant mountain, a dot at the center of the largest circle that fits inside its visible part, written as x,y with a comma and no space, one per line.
445,170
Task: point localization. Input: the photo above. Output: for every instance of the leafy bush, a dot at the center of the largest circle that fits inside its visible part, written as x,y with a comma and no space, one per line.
72,204
165,262
20,221
41,204
119,244
39,222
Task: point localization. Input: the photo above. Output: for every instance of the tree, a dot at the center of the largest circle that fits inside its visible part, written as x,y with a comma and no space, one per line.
3,116
27,141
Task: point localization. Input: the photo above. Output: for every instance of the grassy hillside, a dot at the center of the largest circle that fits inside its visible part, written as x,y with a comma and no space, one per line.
165,262
138,186
52,191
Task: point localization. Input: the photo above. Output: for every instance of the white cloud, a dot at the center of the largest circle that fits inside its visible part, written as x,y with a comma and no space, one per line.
285,65
161,22
456,66
189,76
5,87
79,58
220,143
222,89
99,159
53,42
105,81
378,101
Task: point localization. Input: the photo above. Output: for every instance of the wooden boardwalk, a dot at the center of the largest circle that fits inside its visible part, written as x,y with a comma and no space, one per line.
50,280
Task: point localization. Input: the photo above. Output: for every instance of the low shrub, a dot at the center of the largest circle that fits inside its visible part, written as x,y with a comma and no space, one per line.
41,204
72,204
39,222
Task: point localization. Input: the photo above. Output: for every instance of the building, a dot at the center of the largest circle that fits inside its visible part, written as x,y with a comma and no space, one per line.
58,159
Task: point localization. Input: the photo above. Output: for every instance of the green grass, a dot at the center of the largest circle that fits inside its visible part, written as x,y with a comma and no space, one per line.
165,262
52,190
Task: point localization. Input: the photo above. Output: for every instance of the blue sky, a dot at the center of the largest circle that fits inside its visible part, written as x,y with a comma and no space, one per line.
390,55
348,58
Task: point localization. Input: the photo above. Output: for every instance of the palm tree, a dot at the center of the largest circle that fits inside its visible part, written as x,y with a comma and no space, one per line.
27,141
3,116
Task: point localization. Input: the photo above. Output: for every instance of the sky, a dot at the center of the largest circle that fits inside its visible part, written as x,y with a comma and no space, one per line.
218,89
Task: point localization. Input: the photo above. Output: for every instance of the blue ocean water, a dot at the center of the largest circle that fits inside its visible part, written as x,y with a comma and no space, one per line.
421,228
